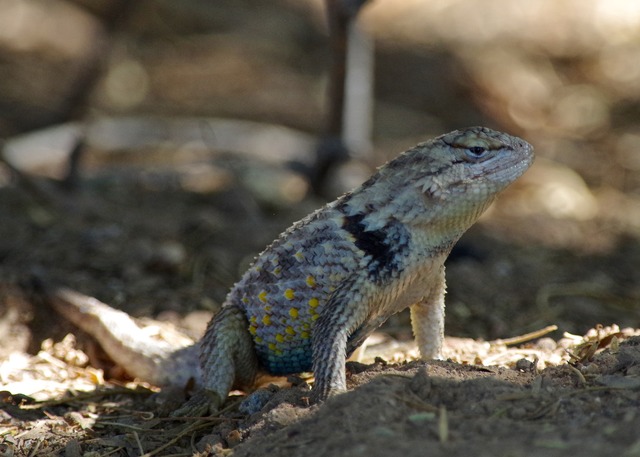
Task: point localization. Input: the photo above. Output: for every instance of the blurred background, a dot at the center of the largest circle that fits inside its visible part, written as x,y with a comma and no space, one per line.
152,148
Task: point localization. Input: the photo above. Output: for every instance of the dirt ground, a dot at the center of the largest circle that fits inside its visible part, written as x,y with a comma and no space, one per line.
146,249
194,135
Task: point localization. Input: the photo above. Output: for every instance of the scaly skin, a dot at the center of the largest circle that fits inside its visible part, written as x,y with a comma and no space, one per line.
317,292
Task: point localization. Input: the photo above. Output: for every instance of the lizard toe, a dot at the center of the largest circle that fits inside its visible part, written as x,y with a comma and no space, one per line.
202,403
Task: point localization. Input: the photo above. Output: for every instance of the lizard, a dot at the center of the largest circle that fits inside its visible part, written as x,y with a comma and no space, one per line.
326,283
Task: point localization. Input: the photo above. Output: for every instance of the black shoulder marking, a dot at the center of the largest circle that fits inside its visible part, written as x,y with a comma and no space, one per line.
372,242
386,247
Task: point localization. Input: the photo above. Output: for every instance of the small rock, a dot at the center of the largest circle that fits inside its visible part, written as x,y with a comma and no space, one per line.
255,402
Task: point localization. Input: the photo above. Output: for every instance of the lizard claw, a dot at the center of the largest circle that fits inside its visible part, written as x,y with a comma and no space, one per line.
202,403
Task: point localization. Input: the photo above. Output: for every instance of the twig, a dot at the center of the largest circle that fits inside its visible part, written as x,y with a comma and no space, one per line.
526,337
578,373
191,428
96,394
199,423
135,435
443,425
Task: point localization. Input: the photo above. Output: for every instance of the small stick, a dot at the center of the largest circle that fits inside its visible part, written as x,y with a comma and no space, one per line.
443,425
139,443
526,337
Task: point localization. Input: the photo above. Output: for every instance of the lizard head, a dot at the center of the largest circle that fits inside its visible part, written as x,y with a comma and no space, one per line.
445,184
452,179
460,174
485,157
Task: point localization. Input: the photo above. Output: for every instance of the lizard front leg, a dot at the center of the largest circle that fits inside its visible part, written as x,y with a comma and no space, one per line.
427,319
344,312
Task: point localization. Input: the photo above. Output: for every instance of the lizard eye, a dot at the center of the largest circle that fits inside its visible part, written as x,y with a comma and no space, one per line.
476,151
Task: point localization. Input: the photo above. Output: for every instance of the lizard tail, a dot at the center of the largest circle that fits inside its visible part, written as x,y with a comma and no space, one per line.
151,354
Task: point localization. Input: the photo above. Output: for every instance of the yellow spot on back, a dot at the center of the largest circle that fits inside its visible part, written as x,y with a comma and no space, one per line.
272,346
252,329
279,338
288,294
277,270
290,330
253,319
304,335
245,300
315,317
262,296
311,281
293,312
266,320
313,302
299,256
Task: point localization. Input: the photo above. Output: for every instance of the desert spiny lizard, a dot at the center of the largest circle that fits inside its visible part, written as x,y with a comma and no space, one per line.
317,292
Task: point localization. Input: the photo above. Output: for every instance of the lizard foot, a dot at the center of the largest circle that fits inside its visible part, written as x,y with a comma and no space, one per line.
202,403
